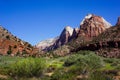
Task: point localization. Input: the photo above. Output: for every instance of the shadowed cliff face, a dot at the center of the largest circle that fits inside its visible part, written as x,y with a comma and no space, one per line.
10,44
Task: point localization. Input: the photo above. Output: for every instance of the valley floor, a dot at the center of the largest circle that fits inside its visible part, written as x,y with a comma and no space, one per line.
83,65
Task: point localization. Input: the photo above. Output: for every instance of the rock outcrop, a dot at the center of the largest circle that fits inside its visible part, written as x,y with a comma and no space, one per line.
75,33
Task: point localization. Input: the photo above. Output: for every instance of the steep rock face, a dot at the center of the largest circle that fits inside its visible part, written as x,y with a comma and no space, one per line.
64,37
10,44
43,45
54,43
118,21
92,26
75,33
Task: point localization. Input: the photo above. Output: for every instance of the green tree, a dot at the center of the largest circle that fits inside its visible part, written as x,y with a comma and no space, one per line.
9,50
7,37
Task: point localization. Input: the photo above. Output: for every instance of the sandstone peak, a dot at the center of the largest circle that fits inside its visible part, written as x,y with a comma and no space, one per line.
69,29
96,19
92,25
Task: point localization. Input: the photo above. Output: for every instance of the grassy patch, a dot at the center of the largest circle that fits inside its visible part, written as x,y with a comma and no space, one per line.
107,67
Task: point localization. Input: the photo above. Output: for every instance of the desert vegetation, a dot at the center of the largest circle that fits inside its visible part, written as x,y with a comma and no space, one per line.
82,65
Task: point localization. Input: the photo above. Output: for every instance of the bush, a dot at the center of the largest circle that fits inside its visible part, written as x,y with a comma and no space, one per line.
29,45
9,50
83,63
15,46
93,61
109,60
62,75
99,76
84,57
28,67
24,52
70,61
84,52
8,37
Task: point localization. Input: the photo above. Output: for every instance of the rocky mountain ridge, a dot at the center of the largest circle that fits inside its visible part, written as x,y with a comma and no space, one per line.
90,27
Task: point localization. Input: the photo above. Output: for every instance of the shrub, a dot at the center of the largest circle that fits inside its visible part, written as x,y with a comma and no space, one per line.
28,67
93,61
62,75
24,52
2,34
9,50
15,46
29,45
99,76
109,60
70,61
83,63
84,52
7,37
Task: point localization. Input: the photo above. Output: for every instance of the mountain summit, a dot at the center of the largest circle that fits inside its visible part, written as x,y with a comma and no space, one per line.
92,25
43,45
96,19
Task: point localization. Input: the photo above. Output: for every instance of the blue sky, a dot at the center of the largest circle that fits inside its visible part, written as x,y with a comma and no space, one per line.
36,20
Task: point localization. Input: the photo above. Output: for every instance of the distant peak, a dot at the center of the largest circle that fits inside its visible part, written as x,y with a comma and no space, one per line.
69,29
